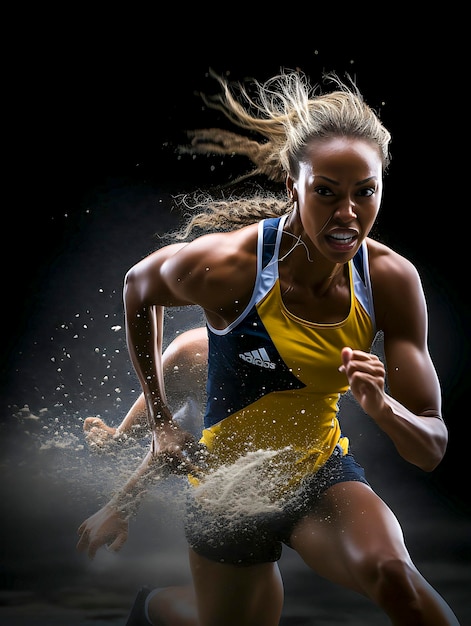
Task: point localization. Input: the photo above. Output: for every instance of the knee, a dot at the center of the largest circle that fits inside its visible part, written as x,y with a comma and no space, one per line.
395,581
396,573
398,588
173,605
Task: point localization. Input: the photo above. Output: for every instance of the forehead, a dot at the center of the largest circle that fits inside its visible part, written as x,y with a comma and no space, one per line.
343,154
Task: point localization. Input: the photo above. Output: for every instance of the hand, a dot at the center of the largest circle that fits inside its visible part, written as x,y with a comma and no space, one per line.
97,433
106,527
366,376
177,451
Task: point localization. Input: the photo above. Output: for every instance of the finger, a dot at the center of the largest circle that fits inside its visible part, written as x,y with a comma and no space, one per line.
90,422
92,550
347,354
82,543
181,465
189,467
119,542
96,434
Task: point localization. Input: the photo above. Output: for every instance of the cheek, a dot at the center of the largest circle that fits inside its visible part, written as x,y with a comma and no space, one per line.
314,222
373,213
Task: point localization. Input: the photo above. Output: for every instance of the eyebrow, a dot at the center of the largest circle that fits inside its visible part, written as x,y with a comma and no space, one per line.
335,182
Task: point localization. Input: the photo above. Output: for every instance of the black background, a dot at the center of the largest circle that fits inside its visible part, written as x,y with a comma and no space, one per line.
96,107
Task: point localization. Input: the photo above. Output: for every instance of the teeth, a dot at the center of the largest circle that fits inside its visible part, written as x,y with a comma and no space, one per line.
341,237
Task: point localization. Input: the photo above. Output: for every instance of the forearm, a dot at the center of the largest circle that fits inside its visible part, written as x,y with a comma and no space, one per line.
127,500
420,440
144,330
135,419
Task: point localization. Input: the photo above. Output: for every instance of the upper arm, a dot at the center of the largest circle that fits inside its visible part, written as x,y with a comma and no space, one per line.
146,284
215,271
403,317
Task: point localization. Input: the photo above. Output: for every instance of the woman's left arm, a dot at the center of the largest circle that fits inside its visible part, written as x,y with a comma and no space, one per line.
410,414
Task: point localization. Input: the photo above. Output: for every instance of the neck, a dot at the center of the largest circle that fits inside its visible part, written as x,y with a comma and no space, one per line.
297,252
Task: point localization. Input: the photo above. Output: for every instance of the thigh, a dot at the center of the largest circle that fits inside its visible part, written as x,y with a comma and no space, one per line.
349,533
237,594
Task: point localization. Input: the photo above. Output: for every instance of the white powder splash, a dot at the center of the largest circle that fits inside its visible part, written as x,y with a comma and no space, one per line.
249,486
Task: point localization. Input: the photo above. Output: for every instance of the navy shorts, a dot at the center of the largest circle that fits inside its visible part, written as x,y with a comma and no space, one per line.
259,538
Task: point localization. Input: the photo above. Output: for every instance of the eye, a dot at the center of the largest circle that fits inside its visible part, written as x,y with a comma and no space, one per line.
367,192
324,191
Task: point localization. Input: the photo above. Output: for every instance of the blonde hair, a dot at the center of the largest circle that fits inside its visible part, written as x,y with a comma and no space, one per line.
288,113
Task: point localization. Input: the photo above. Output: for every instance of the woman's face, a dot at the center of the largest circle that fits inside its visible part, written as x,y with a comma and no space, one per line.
338,194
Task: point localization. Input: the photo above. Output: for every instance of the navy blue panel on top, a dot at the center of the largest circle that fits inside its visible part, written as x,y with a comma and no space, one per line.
248,359
270,231
358,262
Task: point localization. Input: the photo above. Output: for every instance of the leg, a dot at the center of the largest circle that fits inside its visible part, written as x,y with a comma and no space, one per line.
185,373
173,606
234,595
355,540
185,364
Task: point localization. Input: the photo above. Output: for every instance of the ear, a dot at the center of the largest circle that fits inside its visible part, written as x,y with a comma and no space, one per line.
291,187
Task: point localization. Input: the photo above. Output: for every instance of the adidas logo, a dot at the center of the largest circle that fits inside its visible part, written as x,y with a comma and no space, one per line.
258,357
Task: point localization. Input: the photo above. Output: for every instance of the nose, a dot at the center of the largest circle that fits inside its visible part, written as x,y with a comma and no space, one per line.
346,210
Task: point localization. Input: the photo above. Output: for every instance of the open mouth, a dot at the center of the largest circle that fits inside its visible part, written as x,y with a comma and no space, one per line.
342,239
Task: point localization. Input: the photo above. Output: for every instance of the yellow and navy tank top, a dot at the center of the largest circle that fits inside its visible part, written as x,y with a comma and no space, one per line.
273,380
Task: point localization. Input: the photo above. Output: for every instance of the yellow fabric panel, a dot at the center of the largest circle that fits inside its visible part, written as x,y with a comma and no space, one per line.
302,424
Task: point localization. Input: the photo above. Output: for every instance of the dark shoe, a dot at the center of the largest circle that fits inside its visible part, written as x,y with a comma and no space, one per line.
137,616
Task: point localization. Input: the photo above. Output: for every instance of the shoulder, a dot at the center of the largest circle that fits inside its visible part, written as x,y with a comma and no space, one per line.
388,266
216,248
396,283
214,269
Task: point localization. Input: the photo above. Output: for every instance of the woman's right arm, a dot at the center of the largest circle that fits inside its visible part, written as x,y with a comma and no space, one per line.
144,299
146,293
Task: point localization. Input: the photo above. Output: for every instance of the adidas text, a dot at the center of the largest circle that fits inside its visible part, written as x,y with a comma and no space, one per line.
258,357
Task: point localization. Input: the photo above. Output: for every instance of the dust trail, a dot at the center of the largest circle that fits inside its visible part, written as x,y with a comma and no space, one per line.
245,487
57,447
53,446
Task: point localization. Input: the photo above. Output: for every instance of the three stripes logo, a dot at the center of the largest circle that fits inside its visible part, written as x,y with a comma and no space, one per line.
258,357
